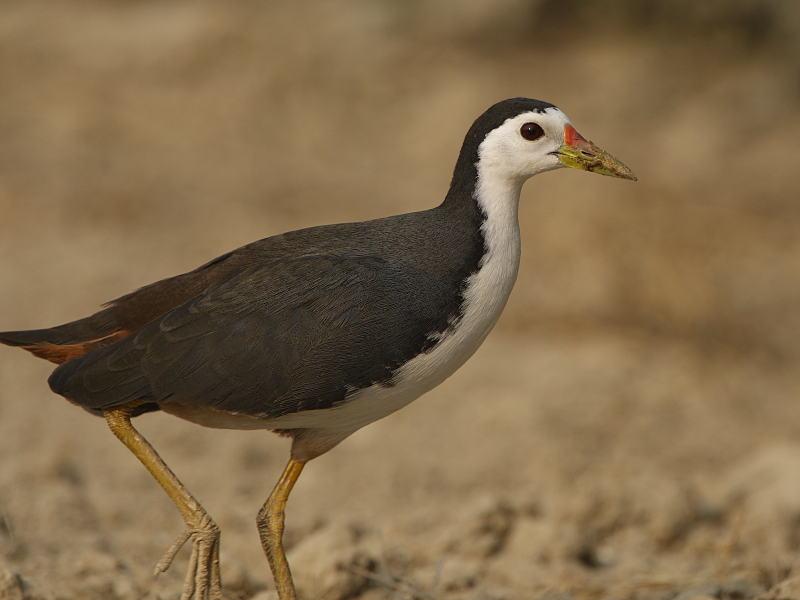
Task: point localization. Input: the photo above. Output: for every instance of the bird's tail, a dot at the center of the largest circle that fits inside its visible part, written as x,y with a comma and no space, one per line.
68,341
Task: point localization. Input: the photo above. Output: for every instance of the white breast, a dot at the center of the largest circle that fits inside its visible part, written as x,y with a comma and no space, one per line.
485,297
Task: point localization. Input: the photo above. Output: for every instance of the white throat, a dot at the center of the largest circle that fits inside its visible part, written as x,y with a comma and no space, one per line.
498,197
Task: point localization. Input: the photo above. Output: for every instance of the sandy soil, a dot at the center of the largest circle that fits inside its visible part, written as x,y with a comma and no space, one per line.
630,430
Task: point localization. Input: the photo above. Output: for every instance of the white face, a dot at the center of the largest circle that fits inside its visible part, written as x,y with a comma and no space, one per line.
516,154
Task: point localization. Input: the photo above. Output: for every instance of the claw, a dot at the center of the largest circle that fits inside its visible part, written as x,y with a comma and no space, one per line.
203,575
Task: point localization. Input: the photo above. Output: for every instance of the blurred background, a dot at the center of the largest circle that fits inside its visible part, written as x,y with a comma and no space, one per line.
631,429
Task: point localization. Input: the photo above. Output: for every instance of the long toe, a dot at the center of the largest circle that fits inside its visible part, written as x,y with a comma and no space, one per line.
203,576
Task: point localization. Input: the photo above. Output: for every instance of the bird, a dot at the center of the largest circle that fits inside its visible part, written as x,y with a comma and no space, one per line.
318,332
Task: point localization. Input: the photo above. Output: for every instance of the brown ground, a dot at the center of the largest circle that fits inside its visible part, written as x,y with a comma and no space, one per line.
631,430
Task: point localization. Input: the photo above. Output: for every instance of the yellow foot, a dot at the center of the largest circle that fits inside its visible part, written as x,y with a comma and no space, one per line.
202,578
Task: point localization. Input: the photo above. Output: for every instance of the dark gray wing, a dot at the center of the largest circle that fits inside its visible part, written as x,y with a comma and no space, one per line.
272,339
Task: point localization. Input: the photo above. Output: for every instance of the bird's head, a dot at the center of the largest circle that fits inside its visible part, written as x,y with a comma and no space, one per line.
523,137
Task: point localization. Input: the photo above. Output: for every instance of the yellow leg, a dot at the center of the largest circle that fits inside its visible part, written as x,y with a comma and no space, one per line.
270,528
203,578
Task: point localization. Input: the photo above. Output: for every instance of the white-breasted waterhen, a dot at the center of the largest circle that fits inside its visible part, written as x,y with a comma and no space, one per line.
317,332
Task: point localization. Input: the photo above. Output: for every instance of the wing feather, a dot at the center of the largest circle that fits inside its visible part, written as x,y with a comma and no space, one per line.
270,340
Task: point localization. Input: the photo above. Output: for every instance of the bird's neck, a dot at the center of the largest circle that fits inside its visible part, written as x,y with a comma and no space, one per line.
486,194
497,196
489,199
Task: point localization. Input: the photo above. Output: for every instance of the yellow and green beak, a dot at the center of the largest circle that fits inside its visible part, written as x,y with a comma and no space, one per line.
579,153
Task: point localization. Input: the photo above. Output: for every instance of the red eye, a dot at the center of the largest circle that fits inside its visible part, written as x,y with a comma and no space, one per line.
531,131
